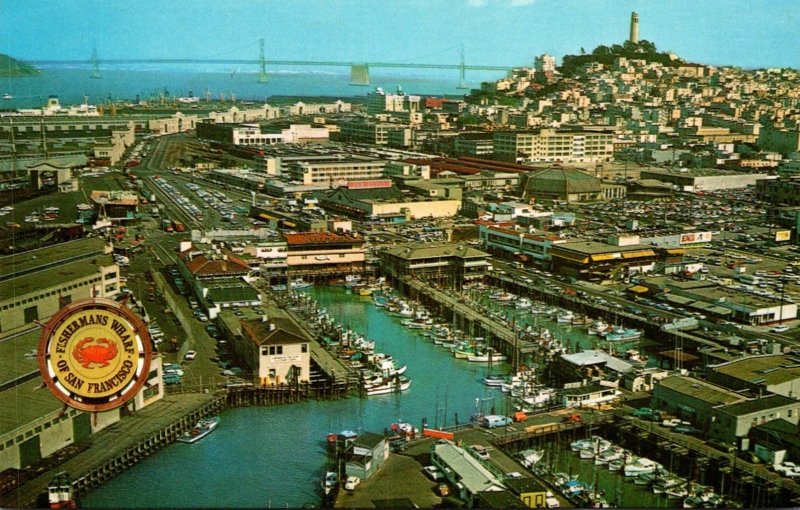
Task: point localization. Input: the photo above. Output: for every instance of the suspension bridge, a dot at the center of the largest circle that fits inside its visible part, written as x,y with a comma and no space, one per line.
359,71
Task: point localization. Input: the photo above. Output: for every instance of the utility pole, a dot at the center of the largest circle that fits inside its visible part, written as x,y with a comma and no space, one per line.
262,64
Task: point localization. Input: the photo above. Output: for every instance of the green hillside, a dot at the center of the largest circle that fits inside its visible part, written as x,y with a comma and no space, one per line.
11,67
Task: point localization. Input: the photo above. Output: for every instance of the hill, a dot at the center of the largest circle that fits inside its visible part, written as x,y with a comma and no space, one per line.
643,50
11,67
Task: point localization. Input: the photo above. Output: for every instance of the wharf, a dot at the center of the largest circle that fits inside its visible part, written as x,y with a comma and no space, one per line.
121,445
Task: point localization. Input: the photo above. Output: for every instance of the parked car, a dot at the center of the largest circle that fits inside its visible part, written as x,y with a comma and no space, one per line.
480,451
686,429
779,329
647,414
433,473
351,483
190,355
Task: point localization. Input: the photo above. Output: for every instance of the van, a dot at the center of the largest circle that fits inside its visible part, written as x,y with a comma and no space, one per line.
493,421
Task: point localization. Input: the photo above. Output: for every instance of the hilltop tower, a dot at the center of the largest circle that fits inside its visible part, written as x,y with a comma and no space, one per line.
634,28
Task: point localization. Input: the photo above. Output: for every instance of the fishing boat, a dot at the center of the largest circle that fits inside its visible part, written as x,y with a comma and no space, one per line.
486,358
203,428
60,493
379,301
7,96
619,334
641,466
523,303
393,385
564,317
405,311
299,284
529,458
494,380
598,327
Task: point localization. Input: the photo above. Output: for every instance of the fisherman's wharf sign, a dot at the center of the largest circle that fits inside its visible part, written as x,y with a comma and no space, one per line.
95,354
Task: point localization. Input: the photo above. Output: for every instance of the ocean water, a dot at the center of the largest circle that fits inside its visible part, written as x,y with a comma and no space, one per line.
71,85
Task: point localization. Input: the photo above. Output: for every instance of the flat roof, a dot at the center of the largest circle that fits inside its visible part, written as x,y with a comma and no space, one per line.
758,405
767,369
594,247
700,390
420,250
52,277
55,254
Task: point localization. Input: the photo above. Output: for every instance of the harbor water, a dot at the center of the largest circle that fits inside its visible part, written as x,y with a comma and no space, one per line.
275,456
72,85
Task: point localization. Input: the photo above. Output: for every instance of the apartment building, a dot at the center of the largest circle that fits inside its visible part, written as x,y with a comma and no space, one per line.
335,170
551,145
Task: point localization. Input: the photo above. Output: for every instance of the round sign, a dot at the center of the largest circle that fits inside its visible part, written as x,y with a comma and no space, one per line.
94,354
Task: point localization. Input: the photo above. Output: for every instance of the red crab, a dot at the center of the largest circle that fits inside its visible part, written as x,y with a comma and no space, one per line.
99,352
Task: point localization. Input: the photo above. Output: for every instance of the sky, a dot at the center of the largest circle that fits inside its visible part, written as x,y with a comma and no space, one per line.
747,33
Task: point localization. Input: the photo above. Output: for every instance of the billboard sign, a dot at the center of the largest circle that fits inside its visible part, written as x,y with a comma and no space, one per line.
783,235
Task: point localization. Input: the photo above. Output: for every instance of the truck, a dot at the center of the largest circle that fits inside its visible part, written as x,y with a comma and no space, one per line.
178,226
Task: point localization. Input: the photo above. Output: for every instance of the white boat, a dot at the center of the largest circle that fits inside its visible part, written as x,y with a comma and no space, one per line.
530,457
405,311
598,327
642,466
523,303
299,283
393,385
484,358
7,96
494,380
564,317
203,428
620,334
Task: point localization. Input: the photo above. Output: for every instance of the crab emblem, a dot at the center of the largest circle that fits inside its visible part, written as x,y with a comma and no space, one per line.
100,352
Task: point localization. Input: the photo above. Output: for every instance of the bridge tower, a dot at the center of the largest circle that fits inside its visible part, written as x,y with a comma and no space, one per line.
95,63
262,63
462,82
359,74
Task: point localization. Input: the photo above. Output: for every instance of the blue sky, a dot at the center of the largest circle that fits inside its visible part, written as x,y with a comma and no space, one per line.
750,33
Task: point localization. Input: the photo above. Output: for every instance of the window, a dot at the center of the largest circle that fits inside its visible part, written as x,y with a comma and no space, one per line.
272,350
279,349
304,348
31,314
111,275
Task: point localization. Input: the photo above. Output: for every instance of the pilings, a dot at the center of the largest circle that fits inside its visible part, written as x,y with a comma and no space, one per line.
144,448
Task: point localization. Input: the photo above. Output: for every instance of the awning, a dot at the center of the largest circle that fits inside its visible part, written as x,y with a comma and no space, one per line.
638,289
289,224
675,251
639,253
571,256
605,256
678,299
265,216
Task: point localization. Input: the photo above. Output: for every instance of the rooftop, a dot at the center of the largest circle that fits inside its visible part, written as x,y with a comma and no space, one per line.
319,238
592,357
758,405
595,248
17,264
261,332
767,370
700,390
41,280
421,250
471,472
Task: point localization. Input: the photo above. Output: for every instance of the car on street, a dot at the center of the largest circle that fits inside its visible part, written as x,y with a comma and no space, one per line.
779,329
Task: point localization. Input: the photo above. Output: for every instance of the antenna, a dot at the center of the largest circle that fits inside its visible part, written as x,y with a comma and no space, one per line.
262,64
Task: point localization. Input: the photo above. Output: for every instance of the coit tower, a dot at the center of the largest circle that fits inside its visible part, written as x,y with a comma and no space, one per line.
634,28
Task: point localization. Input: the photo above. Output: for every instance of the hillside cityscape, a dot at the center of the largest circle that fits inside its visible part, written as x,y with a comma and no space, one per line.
572,286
